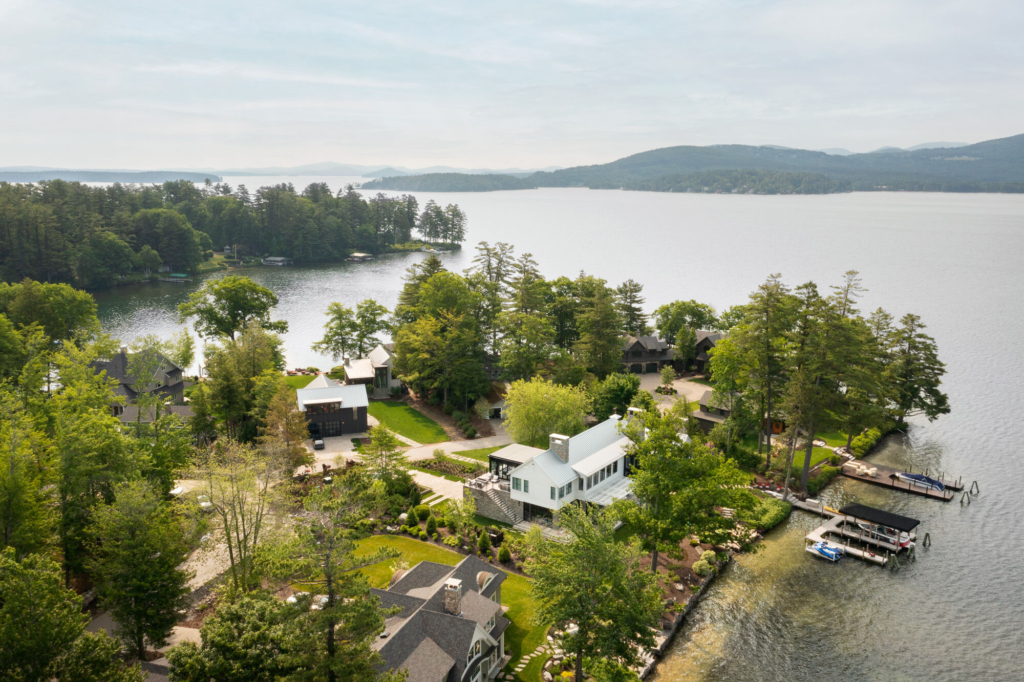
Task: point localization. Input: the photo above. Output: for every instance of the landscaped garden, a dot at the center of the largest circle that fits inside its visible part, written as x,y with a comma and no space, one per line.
405,421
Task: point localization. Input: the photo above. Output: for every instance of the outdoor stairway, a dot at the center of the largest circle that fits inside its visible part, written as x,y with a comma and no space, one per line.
511,513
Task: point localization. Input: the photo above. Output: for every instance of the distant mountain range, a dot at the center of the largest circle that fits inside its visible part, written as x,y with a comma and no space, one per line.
992,166
27,174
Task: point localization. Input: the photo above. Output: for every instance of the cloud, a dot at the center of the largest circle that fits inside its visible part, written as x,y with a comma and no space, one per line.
261,73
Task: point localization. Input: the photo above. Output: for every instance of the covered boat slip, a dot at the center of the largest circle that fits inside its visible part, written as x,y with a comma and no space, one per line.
849,524
878,474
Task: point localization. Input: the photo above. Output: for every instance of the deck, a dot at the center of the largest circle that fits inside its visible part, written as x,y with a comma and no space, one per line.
885,479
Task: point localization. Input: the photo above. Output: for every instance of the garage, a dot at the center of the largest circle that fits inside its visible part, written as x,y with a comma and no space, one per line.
652,368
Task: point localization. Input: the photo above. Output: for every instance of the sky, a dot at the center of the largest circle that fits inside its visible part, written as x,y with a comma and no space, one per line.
525,84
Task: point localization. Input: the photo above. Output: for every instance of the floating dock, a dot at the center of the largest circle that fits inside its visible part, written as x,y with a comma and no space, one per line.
887,477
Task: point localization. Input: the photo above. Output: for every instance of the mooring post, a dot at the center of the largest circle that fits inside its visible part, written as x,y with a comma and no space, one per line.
927,542
975,488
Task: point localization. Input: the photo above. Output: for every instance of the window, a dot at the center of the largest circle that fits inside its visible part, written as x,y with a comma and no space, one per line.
526,486
608,470
561,491
590,482
615,467
568,487
552,492
602,474
516,484
579,485
476,649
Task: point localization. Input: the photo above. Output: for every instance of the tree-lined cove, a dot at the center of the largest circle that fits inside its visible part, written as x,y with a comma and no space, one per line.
547,314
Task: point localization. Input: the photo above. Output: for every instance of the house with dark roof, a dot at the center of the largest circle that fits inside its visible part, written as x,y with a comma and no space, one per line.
168,380
644,354
711,412
705,342
451,624
333,409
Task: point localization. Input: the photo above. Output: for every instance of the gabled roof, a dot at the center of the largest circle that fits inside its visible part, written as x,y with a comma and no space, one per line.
322,381
711,336
379,356
348,396
648,342
425,639
581,447
602,458
516,453
360,368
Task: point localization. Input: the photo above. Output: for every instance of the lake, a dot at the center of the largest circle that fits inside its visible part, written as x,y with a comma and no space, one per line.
956,260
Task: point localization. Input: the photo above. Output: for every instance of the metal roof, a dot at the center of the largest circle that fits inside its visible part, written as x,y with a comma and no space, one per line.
348,396
602,458
880,517
516,453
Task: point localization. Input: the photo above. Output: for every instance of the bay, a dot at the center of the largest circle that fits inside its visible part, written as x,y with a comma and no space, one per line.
955,259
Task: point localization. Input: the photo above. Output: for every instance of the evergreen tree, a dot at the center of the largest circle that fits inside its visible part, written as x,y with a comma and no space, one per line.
600,328
630,304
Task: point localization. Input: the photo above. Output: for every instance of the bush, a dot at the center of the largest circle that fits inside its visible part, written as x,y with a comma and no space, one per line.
422,511
702,568
434,536
708,556
471,432
458,416
451,541
504,555
863,443
484,543
448,409
411,517
834,460
423,535
432,525
769,513
440,521
821,480
694,542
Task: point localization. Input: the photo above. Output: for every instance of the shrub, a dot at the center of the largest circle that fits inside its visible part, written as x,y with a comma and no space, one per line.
451,541
821,480
504,555
708,556
484,543
863,443
434,536
769,513
458,416
471,432
432,525
448,409
438,454
834,460
702,568
422,511
423,535
440,522
694,542
411,517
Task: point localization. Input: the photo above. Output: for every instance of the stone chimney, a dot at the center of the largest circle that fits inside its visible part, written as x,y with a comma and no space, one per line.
560,446
453,596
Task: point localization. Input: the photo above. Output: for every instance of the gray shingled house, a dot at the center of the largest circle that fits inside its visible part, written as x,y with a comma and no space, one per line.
643,354
450,628
167,381
705,342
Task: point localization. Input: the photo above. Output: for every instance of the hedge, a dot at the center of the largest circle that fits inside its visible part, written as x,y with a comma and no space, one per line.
769,513
863,443
821,480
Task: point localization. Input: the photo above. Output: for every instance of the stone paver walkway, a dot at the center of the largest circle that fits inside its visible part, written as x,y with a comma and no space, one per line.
545,649
449,490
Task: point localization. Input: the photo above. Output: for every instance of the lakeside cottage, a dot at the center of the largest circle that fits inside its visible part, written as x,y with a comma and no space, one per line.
333,409
711,412
451,627
375,372
705,342
529,484
168,380
646,354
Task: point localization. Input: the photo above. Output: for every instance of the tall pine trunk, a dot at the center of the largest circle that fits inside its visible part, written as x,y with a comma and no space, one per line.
807,457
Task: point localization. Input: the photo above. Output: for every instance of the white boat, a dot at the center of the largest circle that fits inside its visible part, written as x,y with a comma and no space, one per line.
826,551
922,481
884,534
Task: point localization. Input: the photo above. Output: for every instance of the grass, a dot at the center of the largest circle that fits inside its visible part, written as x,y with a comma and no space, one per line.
215,263
702,382
521,637
817,455
298,381
407,422
447,477
479,454
833,438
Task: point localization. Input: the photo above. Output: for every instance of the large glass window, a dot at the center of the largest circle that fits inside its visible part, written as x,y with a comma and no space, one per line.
568,487
516,484
561,491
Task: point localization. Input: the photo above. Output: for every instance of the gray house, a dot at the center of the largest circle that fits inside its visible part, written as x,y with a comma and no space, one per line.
333,409
167,381
644,354
451,626
705,342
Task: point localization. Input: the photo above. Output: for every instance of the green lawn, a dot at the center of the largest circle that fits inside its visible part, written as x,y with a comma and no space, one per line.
407,422
702,382
521,637
299,381
479,454
817,454
448,477
833,438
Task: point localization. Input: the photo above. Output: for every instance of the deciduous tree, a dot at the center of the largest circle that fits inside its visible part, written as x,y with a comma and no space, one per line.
226,306
537,408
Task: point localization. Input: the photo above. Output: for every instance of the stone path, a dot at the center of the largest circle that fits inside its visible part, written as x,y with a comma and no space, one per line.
545,649
450,490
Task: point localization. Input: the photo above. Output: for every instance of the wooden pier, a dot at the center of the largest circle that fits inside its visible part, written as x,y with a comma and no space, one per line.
844,527
887,478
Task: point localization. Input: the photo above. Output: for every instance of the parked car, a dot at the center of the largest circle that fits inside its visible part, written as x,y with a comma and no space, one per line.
204,503
318,444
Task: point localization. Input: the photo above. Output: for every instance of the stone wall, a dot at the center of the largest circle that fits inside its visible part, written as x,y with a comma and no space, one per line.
485,506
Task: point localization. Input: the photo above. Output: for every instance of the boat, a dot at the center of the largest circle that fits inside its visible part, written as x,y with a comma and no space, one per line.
885,534
921,480
826,551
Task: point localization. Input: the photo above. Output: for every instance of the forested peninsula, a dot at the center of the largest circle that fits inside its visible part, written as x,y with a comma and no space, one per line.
991,166
96,237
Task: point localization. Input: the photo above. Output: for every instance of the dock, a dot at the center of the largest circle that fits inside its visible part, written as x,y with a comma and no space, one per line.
887,478
843,527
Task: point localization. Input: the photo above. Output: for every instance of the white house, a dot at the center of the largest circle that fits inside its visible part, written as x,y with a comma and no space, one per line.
374,370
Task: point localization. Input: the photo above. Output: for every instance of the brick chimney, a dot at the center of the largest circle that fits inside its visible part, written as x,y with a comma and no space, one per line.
560,446
453,596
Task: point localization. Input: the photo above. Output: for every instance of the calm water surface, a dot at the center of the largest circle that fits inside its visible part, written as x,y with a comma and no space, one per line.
956,260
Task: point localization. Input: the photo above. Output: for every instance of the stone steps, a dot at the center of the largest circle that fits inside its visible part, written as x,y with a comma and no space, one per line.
511,513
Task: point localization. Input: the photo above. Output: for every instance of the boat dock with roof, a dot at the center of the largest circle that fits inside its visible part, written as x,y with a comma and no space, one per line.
881,533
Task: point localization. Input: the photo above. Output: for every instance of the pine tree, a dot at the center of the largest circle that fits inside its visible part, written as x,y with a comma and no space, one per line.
630,306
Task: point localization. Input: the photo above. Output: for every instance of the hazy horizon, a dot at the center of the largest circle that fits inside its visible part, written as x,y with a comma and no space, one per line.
455,84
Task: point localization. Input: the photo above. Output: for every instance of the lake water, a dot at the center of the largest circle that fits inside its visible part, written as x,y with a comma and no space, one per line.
956,260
